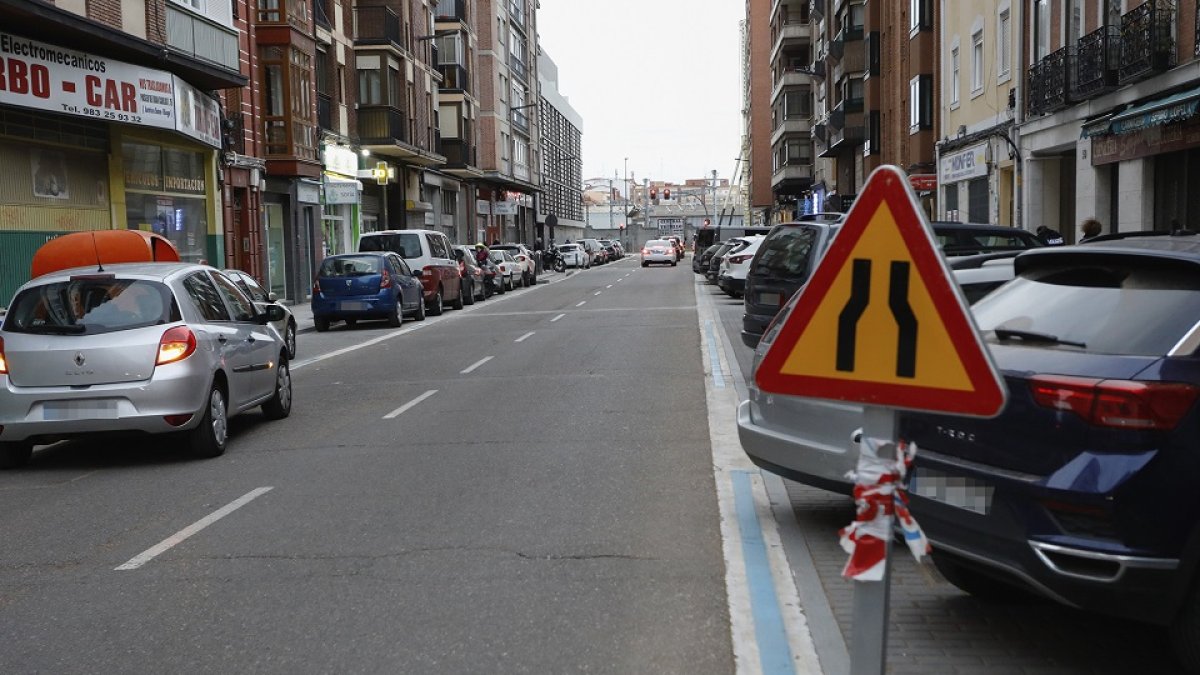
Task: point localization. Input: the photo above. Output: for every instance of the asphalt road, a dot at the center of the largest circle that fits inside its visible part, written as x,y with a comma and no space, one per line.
551,510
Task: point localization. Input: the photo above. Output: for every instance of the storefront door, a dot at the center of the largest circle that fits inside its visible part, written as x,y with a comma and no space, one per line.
276,249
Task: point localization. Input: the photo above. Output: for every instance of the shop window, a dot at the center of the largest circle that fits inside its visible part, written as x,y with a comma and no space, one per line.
165,193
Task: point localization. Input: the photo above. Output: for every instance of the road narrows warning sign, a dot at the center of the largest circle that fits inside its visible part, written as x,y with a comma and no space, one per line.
882,322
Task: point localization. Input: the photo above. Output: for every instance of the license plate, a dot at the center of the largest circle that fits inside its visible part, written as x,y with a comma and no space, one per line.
79,410
958,491
352,306
768,298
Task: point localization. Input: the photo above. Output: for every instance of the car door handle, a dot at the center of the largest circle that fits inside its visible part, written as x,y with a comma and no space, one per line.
222,339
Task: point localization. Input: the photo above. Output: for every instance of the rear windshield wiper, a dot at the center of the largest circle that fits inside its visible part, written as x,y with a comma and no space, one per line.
1030,336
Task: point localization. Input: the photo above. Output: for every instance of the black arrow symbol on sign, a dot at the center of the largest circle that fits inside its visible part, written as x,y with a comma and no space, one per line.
860,297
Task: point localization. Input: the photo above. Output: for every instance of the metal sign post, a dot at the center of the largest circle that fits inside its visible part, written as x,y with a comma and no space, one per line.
868,641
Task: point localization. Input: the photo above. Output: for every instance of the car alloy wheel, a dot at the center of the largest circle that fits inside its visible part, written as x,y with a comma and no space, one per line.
436,307
289,339
209,439
279,406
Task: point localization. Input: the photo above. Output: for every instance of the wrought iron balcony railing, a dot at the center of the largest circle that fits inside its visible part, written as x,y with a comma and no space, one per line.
1147,40
381,125
459,154
1096,60
376,25
1050,82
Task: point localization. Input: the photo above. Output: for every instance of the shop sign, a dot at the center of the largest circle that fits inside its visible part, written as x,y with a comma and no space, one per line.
923,182
341,192
483,207
1147,142
964,164
308,193
46,77
504,209
341,160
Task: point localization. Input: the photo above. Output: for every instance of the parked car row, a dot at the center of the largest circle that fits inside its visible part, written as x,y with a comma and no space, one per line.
408,274
1080,489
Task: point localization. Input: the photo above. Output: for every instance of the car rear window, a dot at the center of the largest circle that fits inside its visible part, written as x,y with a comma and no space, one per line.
786,252
407,244
88,306
657,242
350,266
1112,306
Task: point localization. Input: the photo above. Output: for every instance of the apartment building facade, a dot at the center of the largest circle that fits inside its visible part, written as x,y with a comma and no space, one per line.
1111,128
757,111
977,160
99,131
560,203
792,65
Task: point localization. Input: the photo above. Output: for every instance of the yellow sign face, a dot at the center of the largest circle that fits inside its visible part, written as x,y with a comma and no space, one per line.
877,334
881,322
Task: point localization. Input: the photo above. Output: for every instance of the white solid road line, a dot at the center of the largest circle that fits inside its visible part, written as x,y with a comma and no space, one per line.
404,408
523,337
177,538
557,318
581,303
478,363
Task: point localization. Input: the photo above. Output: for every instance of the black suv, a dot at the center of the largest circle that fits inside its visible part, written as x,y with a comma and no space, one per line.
791,251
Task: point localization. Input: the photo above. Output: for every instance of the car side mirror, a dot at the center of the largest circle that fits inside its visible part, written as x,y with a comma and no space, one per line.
417,273
272,297
270,314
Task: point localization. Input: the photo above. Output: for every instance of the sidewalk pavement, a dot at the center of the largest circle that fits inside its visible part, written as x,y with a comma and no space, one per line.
302,311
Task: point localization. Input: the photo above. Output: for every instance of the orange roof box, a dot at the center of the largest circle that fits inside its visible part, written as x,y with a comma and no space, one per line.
102,247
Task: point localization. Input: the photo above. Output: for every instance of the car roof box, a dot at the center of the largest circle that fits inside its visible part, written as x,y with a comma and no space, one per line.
102,247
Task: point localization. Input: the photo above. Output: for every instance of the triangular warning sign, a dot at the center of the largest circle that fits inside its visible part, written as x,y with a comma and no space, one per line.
882,322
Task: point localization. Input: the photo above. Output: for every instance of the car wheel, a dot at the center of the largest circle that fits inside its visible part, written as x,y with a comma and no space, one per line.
289,339
533,280
420,314
396,317
974,582
322,323
436,307
469,298
673,263
645,264
14,454
458,302
512,286
279,406
209,439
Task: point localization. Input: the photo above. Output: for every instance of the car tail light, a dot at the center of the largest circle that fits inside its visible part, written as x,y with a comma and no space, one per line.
178,420
316,290
739,259
176,344
1125,404
645,251
3,361
385,279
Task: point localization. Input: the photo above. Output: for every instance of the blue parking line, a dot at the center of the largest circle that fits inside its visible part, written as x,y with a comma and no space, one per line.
714,356
774,653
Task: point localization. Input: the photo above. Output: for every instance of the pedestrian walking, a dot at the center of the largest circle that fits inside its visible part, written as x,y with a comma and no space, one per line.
1091,229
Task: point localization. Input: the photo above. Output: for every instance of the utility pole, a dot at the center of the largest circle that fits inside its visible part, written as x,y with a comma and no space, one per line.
716,221
611,200
625,201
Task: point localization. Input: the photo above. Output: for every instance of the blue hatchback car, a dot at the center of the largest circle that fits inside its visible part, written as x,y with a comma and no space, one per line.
355,286
1085,487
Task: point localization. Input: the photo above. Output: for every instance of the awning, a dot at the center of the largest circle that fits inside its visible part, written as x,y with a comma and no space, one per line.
1098,126
1173,108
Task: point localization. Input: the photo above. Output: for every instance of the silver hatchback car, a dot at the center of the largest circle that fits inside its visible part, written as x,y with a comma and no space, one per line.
136,348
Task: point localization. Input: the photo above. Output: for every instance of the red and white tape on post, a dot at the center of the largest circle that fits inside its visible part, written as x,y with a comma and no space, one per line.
879,494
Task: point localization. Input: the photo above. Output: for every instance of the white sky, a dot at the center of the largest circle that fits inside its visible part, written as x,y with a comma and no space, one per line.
657,81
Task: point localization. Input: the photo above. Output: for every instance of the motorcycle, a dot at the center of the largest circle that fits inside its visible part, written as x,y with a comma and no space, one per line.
493,283
552,259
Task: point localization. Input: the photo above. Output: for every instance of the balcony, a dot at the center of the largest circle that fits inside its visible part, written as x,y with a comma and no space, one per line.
381,125
837,46
1050,82
791,78
1147,41
837,116
451,10
845,140
454,77
818,69
376,26
325,112
461,157
517,66
790,31
1096,60
795,174
800,124
202,38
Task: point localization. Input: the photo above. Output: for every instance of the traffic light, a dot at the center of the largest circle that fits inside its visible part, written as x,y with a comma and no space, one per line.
666,193
707,222
653,193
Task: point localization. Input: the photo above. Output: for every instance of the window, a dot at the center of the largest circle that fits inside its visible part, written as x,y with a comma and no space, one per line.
370,89
797,104
449,202
920,103
202,292
394,88
920,15
954,67
243,309
1004,45
1041,30
977,62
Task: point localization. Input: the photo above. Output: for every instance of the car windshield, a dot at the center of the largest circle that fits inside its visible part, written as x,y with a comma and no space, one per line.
567,248
407,244
350,266
90,306
1141,307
